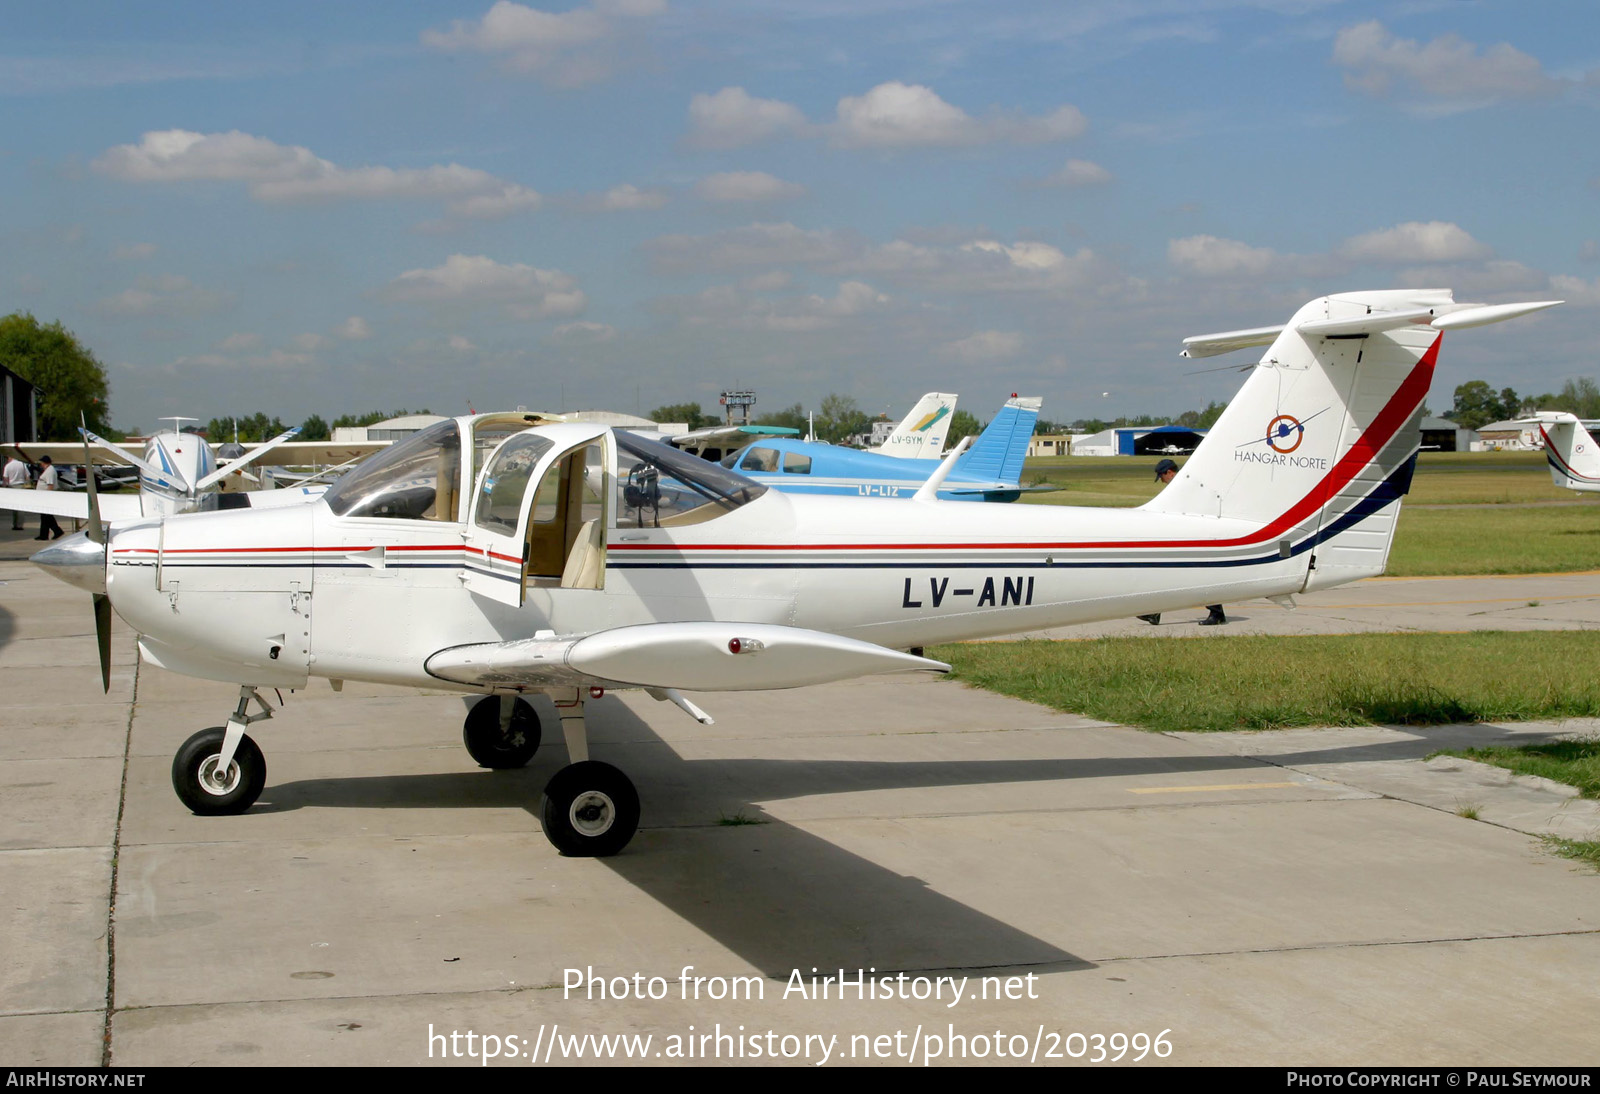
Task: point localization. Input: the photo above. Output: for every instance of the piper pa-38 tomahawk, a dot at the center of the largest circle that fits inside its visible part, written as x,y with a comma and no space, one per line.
477,556
1569,449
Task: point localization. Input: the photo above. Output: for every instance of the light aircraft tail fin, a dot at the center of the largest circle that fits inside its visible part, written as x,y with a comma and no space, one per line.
920,435
998,452
1569,448
1320,443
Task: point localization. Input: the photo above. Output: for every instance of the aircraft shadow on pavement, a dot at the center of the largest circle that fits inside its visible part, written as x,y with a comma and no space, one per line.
777,895
8,627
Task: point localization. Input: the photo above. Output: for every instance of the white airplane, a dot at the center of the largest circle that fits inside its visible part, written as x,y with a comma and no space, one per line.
1569,448
920,434
179,473
477,556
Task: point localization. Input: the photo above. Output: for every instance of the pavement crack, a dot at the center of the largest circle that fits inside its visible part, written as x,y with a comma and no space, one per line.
116,855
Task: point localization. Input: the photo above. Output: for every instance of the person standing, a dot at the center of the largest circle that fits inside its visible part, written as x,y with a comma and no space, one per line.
1166,471
17,477
49,479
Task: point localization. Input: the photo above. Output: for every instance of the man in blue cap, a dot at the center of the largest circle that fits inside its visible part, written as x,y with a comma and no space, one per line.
1166,471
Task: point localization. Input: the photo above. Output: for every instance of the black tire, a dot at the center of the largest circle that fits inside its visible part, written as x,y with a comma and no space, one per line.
589,810
193,777
489,746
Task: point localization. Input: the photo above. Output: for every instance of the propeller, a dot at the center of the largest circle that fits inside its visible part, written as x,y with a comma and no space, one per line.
102,602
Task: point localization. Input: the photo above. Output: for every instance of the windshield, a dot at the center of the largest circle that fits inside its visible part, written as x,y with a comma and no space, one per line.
413,479
661,487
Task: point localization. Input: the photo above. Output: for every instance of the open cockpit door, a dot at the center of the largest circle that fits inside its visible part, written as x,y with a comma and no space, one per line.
538,515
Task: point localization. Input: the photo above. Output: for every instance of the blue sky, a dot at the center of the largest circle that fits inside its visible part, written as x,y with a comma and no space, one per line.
325,208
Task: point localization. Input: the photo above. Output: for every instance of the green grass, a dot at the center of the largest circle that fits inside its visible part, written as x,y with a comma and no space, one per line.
1506,536
738,820
1495,541
1581,849
1576,763
1250,682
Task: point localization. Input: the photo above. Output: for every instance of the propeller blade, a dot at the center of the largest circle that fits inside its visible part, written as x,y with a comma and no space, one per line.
102,633
97,531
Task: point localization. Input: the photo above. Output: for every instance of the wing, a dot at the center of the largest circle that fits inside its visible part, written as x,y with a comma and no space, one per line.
60,503
316,453
726,436
63,453
695,656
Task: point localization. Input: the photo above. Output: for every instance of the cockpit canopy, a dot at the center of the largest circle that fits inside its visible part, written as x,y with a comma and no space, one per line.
420,478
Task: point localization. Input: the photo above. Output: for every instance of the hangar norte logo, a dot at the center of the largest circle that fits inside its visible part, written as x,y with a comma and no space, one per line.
1284,435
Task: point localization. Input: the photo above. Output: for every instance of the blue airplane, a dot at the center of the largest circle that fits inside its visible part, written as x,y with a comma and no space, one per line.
991,470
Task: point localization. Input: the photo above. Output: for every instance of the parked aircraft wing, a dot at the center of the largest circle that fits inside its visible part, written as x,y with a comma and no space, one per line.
692,656
61,503
314,453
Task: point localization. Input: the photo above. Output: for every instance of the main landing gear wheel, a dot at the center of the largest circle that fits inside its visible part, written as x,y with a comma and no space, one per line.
208,791
589,810
500,749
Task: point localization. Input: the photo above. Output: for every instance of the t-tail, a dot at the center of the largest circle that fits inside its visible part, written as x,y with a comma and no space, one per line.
1569,449
1319,445
998,452
920,436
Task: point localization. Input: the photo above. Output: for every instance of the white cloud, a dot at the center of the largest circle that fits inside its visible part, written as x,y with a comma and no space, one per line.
310,341
355,329
566,48
733,117
983,265
898,115
752,245
290,173
1079,173
235,343
524,292
461,344
1446,75
746,186
134,252
1476,280
584,332
1209,256
985,345
1577,291
1414,241
168,296
626,197
725,306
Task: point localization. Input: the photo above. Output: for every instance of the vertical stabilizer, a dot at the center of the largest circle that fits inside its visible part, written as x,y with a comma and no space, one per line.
998,452
1319,445
920,435
1569,449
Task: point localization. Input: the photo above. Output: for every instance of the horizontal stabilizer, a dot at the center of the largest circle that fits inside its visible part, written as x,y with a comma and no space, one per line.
1482,315
692,656
1371,323
1209,345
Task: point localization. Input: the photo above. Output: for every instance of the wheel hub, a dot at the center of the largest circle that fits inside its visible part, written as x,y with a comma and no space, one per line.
592,813
217,782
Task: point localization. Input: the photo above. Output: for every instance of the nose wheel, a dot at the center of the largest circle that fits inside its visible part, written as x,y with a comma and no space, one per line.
208,787
501,732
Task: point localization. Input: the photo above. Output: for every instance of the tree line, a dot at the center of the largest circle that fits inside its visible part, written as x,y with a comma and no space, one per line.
1477,404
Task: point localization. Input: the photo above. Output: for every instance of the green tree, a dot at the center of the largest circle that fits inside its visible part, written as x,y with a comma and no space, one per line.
70,380
372,417
790,417
683,412
252,428
839,418
962,424
1477,404
1580,397
314,429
